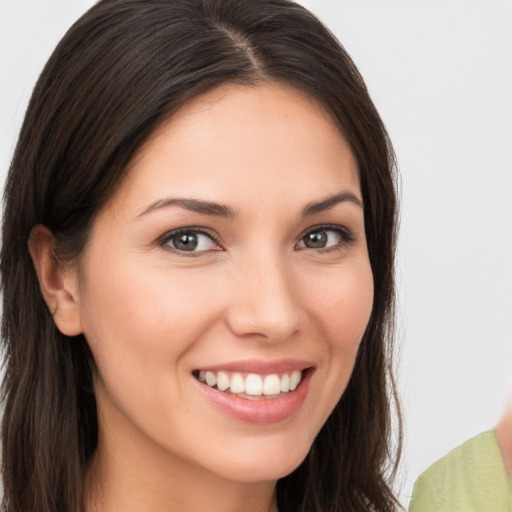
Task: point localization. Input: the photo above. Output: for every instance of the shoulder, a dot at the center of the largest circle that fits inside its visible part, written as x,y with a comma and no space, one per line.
471,477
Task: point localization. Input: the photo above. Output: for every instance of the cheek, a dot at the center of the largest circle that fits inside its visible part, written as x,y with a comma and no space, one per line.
141,327
343,307
139,324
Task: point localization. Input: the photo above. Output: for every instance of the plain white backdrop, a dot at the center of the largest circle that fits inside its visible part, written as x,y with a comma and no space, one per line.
440,73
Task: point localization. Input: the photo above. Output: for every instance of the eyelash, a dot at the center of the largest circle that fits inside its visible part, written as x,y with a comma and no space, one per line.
345,235
165,239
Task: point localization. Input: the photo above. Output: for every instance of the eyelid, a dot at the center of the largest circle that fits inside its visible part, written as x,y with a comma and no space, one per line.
163,240
345,233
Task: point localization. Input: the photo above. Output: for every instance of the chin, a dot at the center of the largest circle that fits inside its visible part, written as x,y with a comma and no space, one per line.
260,468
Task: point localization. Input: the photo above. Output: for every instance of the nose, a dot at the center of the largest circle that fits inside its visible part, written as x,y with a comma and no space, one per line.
265,302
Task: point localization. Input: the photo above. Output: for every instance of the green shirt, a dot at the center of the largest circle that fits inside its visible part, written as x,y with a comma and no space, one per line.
471,478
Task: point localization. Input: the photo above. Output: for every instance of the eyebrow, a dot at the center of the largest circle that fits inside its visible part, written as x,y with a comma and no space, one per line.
330,202
195,205
220,210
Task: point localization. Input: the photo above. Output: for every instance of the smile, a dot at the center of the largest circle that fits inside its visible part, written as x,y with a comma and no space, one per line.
256,391
251,385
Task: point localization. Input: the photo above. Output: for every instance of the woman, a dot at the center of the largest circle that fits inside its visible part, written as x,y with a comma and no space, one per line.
197,267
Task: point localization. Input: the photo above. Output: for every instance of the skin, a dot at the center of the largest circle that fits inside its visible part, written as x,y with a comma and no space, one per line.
504,435
152,315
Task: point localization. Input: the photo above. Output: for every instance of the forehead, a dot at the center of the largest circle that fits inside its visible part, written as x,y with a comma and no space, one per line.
243,141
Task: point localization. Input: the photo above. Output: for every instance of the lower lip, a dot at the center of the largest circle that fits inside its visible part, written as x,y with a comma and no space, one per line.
266,410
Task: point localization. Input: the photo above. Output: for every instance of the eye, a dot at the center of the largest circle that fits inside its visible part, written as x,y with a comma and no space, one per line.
325,237
189,241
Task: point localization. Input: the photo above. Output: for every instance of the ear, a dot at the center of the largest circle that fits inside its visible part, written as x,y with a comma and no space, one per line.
58,282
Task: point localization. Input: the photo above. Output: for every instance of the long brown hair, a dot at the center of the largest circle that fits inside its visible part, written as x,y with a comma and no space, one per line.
122,69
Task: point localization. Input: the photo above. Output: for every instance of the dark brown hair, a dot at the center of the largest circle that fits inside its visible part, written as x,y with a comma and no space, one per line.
122,69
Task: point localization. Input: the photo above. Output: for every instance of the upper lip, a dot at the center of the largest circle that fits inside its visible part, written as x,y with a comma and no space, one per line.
259,366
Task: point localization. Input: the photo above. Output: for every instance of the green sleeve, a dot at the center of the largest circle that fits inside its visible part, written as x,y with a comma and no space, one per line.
471,478
424,496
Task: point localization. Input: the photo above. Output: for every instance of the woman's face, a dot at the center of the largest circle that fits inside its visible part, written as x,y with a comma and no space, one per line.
234,254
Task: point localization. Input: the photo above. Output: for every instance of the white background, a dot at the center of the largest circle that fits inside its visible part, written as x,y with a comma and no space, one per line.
440,72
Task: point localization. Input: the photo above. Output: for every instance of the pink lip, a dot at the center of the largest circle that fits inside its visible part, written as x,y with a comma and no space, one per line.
259,366
269,410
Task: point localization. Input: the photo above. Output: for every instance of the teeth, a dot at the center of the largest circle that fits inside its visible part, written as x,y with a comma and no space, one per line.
253,384
211,380
272,385
294,379
222,381
285,383
237,384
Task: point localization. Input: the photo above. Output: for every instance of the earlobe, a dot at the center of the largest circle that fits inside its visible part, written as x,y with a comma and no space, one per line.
58,282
